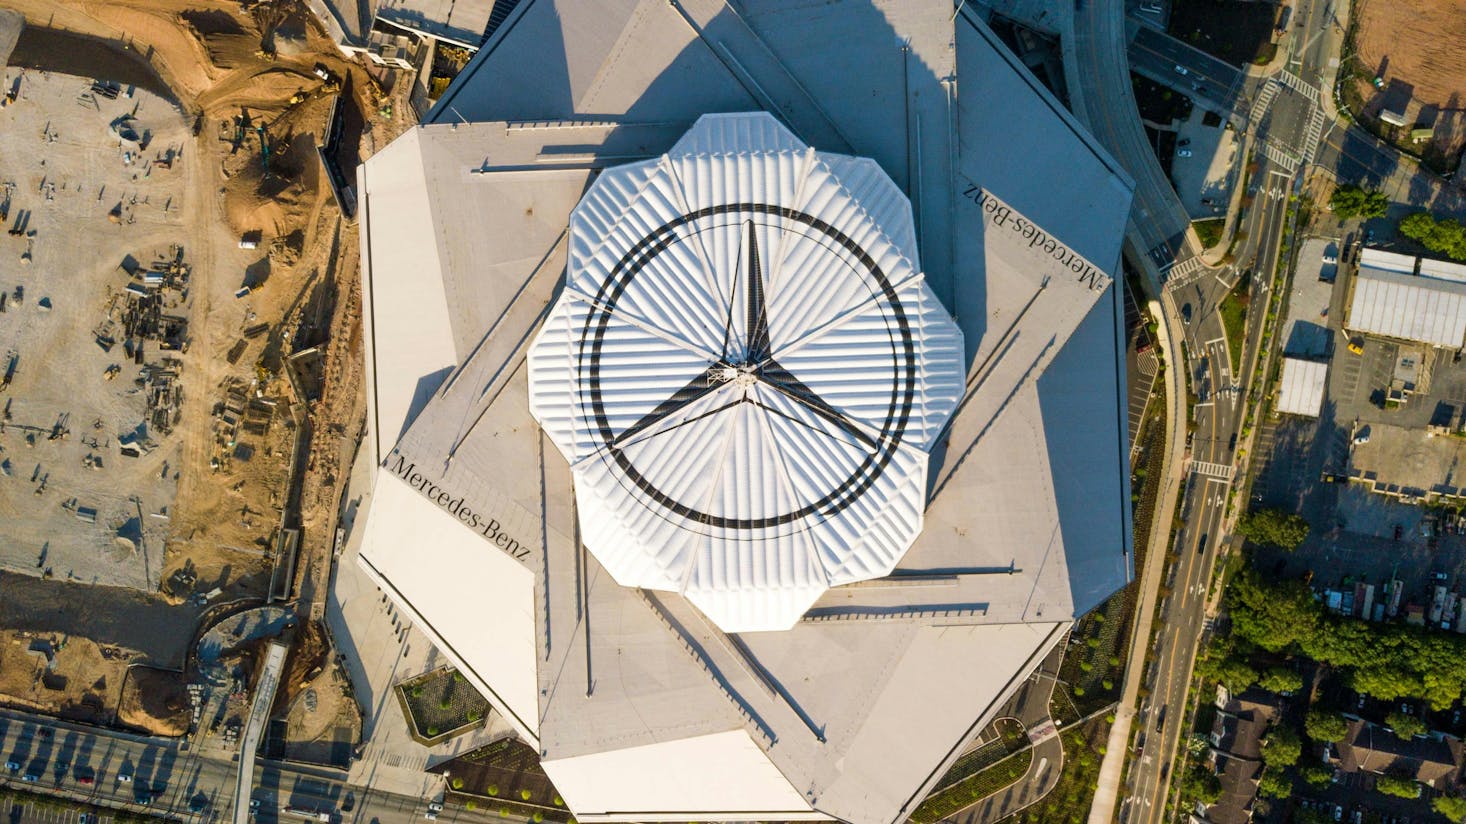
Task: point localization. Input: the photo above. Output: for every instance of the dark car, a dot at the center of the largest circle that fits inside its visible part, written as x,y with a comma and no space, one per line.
1201,545
1186,313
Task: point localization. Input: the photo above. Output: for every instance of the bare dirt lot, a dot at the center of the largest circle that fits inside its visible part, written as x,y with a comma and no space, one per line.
1415,46
252,209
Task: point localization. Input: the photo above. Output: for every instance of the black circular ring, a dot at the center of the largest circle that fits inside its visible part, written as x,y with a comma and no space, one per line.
898,413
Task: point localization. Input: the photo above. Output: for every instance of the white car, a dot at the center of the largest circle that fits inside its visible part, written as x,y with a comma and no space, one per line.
1181,70
124,778
1183,153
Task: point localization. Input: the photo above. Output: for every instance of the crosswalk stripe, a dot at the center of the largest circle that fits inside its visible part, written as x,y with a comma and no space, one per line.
1315,130
1212,470
1264,99
1298,84
1280,156
1183,273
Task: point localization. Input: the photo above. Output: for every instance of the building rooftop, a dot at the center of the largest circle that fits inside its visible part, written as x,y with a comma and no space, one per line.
1408,307
1433,760
643,705
1302,388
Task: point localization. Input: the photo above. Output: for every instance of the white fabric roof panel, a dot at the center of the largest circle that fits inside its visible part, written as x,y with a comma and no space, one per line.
1302,389
1388,261
485,606
624,785
745,371
1443,270
1408,307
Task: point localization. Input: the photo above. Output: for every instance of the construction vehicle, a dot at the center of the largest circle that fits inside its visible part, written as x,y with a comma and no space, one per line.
12,361
111,372
264,147
1356,345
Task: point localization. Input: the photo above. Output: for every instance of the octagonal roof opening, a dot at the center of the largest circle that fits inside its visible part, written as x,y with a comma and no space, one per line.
746,371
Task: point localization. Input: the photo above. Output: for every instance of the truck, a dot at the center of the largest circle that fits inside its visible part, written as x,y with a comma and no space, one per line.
308,813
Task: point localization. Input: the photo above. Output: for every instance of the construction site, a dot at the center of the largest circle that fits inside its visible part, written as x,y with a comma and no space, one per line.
179,343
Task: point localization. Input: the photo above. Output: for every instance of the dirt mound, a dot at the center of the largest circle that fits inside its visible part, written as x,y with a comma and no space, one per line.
155,701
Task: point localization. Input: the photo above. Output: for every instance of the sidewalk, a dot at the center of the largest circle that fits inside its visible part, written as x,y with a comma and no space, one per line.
1112,768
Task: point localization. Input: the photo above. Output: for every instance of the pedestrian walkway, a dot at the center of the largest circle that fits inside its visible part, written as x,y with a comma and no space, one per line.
1281,156
1297,84
1315,131
1264,99
1184,272
1211,470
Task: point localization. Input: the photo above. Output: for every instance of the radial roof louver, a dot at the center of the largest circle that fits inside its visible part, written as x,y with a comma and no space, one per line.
746,370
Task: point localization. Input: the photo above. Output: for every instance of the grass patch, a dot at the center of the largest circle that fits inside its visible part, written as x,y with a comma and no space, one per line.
1209,231
943,803
440,705
1234,322
1235,31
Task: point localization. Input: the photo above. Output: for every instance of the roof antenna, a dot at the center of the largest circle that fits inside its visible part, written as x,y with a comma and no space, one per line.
454,109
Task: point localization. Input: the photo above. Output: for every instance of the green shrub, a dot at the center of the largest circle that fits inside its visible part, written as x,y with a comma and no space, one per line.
457,783
525,794
493,789
432,731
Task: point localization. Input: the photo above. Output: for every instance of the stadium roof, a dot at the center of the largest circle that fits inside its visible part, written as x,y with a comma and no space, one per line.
1302,388
1408,307
746,371
644,708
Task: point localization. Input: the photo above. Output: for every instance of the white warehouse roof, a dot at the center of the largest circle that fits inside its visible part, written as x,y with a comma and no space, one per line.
1387,261
1302,389
1443,270
579,128
1408,307
746,371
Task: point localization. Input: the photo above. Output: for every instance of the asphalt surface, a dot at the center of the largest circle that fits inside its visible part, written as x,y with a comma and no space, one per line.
1158,56
1285,126
178,782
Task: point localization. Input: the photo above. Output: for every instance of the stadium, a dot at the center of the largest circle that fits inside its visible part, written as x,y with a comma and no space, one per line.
746,388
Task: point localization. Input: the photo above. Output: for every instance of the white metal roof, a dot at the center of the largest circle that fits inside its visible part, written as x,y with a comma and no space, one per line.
1408,307
746,370
1388,261
1443,270
1302,388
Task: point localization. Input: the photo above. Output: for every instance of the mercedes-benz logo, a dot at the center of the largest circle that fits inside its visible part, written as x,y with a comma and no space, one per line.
748,370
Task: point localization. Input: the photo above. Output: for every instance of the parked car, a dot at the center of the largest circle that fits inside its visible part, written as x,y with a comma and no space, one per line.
1186,313
1183,153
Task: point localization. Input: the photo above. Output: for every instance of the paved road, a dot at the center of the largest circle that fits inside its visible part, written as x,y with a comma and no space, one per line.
1286,134
1159,56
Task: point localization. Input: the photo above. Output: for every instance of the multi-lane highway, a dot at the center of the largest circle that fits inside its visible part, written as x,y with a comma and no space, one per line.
1286,133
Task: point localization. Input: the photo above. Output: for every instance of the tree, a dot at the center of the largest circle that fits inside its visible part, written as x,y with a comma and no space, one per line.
1231,672
1354,201
1405,726
1201,784
1317,775
1401,787
1275,783
1272,615
1274,527
1281,679
1450,806
1281,748
1445,236
1324,726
